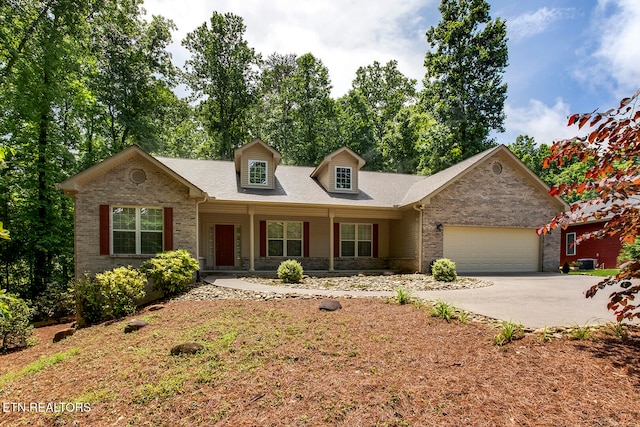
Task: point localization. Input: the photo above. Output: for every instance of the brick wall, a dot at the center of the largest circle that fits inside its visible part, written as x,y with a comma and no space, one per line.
116,188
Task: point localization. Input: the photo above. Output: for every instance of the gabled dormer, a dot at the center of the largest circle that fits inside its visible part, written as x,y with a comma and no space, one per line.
256,163
338,172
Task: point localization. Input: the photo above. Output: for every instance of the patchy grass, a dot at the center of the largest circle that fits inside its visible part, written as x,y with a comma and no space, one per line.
37,366
599,273
285,363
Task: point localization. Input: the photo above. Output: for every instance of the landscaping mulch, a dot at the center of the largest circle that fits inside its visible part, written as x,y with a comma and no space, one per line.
287,363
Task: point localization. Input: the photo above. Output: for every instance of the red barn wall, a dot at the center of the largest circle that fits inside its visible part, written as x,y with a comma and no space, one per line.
605,250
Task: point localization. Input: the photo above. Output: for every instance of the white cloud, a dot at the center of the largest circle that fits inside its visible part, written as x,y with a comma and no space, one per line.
619,47
544,123
532,23
343,34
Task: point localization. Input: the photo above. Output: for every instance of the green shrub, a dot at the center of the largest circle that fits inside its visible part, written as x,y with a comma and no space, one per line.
89,301
15,322
171,271
629,251
444,270
290,271
5,298
120,287
55,302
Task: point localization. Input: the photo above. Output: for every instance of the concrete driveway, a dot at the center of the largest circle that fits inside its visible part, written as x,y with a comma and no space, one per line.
533,300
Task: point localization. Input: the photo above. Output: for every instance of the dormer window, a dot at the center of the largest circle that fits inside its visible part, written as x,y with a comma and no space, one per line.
338,171
343,178
257,172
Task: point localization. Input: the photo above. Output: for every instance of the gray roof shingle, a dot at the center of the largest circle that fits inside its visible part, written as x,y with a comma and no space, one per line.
294,184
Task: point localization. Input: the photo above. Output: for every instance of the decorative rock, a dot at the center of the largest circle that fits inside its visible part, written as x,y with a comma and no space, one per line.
155,307
134,325
186,348
330,305
60,335
74,325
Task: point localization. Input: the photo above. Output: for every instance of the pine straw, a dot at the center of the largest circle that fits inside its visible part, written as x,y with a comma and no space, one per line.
282,363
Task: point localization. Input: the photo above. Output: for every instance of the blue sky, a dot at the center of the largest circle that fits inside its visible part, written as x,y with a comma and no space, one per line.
565,56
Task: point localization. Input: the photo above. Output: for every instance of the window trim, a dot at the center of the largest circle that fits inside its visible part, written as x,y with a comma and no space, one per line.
137,232
356,240
346,168
570,250
253,163
285,239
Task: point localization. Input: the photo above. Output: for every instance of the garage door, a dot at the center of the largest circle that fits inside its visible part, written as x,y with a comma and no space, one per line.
492,249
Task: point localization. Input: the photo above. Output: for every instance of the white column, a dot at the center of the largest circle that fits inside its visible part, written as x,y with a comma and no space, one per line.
331,254
252,240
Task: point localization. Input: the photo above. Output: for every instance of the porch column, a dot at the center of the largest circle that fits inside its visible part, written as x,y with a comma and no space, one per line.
252,242
331,254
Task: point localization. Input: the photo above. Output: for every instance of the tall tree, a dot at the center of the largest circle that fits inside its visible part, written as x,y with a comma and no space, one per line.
222,75
463,82
131,80
403,138
39,88
378,93
273,118
313,112
612,147
79,79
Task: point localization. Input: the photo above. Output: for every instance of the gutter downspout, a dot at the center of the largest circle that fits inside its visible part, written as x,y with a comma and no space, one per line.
420,208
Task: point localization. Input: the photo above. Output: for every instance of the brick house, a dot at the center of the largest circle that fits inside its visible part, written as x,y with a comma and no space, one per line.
253,212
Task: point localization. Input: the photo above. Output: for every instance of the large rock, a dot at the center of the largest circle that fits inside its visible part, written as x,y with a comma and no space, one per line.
60,335
187,348
330,305
134,325
155,307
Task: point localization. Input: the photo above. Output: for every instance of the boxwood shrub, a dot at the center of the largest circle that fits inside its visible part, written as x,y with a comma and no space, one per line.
172,271
444,270
290,271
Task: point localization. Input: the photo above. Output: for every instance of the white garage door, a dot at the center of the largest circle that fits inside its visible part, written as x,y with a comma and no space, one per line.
492,249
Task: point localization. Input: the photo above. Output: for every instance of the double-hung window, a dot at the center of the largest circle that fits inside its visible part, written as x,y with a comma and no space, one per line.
257,172
356,240
343,178
284,238
571,244
137,231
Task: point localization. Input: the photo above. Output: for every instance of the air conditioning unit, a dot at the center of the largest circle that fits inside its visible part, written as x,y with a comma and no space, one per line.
587,263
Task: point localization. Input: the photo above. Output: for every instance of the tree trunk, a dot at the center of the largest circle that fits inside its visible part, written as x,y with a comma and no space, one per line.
41,271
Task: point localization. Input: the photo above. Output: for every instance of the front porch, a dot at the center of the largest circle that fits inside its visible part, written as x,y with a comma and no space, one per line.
241,238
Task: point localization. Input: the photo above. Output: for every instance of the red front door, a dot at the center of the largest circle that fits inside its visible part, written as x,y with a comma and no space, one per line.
224,245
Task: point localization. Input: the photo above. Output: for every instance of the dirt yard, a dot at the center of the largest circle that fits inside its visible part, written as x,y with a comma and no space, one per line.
286,363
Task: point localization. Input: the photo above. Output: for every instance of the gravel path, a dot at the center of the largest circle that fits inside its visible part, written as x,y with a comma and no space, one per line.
361,285
410,282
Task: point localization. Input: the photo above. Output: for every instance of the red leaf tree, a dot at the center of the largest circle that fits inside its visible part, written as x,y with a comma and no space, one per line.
613,142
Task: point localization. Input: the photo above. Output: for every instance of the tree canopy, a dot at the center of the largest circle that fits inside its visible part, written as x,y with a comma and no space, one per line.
463,85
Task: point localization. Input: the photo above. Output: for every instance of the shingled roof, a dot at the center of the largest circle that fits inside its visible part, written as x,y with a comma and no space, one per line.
219,180
295,184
